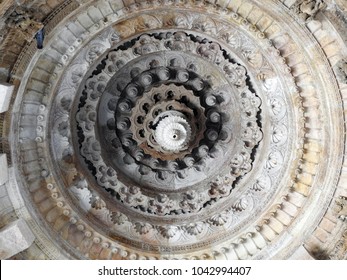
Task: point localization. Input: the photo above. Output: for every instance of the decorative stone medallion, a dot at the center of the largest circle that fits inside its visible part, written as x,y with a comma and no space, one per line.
183,130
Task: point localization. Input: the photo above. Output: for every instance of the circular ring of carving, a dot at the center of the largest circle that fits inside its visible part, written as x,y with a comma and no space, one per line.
165,133
172,131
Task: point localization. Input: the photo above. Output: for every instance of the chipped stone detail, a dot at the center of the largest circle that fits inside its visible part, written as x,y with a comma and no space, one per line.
22,19
307,9
341,69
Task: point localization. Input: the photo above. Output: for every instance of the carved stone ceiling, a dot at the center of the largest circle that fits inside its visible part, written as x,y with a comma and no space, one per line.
183,130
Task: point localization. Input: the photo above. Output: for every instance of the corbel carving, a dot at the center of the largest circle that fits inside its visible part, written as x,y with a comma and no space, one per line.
308,9
24,21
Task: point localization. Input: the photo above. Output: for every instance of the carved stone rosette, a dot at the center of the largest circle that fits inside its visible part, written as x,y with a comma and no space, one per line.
178,129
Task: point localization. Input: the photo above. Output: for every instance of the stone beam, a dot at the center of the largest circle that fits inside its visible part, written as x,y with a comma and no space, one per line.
14,238
301,254
3,169
5,96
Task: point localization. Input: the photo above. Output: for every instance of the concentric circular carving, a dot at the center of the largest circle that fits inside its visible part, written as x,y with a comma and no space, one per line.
179,132
172,131
159,101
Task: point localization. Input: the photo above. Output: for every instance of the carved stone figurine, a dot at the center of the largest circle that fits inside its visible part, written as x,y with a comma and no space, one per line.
307,9
40,35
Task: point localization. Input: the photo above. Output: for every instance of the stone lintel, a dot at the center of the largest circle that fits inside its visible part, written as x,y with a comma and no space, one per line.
6,91
14,238
301,254
3,169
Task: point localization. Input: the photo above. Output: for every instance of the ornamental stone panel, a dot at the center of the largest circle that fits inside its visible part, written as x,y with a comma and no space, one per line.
174,129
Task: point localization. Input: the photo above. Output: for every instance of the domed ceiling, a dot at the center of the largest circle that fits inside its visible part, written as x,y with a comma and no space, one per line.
175,129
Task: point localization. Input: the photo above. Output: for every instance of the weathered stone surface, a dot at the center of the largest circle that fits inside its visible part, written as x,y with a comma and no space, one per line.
256,91
301,254
3,169
14,238
5,96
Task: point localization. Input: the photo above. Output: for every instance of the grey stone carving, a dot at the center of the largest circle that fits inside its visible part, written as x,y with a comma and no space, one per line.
307,9
91,141
341,69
